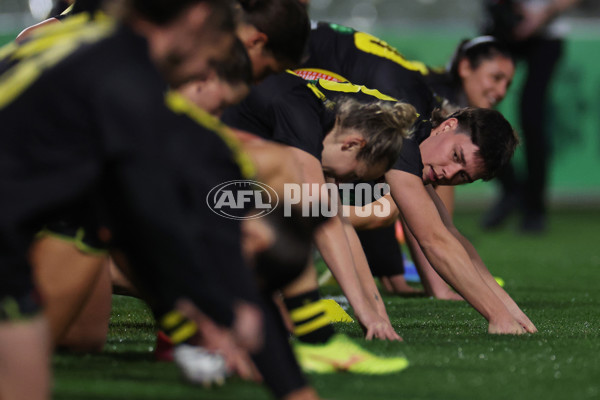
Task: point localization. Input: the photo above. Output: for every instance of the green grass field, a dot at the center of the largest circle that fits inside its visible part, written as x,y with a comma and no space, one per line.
553,277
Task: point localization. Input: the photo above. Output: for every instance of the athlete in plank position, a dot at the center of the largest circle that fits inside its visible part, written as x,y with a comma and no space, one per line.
482,141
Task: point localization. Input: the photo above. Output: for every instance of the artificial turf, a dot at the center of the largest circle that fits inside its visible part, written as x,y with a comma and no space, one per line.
554,277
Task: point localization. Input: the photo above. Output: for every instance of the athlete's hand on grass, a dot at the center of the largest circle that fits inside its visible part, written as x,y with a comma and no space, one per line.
505,326
520,316
222,341
525,321
378,327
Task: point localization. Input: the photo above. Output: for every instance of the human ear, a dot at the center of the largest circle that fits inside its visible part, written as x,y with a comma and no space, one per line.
464,68
449,124
255,40
353,143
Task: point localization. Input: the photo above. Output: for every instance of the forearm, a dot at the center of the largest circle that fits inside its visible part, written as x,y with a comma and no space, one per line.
422,210
372,220
452,262
364,272
338,257
432,282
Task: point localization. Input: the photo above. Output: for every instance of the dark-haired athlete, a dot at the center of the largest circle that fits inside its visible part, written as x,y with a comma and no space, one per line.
478,75
535,36
367,60
274,33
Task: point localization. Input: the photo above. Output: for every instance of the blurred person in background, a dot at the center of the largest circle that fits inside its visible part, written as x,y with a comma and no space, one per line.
534,35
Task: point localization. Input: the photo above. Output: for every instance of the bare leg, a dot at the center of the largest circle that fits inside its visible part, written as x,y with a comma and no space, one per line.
89,329
24,360
65,278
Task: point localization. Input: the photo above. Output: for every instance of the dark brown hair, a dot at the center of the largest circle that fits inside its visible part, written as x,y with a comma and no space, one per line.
286,24
489,131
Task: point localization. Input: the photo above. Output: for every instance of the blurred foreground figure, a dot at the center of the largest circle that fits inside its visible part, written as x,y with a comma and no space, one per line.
532,34
189,153
102,142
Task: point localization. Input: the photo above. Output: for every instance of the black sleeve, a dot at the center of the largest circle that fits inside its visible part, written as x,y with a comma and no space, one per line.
410,158
297,122
283,109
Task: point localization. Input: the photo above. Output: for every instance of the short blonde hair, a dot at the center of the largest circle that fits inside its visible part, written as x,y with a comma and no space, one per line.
383,124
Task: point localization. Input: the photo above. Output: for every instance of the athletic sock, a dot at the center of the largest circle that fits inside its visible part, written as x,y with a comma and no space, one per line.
311,324
177,327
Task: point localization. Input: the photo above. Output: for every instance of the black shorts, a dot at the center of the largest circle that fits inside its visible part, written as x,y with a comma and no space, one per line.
382,250
83,236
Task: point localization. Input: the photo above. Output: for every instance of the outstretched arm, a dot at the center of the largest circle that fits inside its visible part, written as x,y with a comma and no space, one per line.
332,242
479,264
445,253
364,273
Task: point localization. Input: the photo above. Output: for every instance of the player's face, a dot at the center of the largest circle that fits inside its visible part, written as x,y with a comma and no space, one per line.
449,158
486,85
214,94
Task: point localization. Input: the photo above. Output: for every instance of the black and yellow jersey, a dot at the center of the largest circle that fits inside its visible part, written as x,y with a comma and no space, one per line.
290,110
339,53
366,60
91,115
